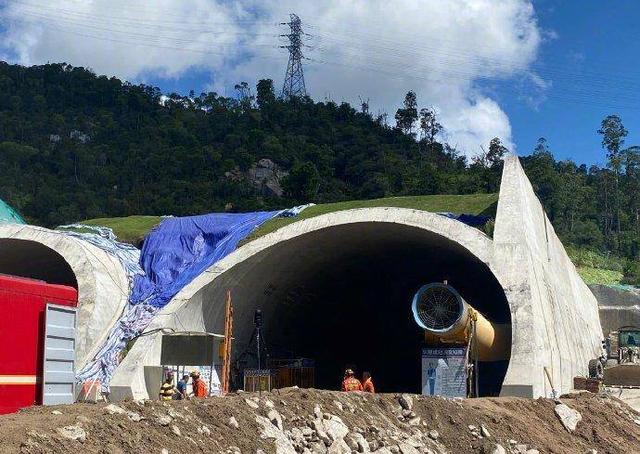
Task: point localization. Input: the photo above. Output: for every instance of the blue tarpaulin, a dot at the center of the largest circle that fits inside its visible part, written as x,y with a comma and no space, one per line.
472,220
179,249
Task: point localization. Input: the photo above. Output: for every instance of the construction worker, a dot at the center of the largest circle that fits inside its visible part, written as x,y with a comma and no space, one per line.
350,383
167,390
198,385
367,383
182,387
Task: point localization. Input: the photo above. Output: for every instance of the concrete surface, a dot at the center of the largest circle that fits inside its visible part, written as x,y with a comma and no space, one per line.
49,255
554,315
523,276
630,396
618,307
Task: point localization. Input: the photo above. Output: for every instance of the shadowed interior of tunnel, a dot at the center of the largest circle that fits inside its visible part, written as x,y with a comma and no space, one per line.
34,260
342,297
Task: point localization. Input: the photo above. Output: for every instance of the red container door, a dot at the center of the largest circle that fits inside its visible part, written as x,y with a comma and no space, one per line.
22,304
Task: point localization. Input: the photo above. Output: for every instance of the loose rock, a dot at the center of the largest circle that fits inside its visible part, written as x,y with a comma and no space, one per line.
73,433
406,401
275,418
252,404
568,417
164,420
114,409
339,446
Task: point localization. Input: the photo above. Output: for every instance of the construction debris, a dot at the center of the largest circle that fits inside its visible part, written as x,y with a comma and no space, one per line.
310,421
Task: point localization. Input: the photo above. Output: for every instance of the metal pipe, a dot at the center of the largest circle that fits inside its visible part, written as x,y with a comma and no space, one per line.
447,319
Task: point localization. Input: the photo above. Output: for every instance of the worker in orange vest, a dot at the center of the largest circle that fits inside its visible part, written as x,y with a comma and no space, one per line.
367,383
198,385
350,383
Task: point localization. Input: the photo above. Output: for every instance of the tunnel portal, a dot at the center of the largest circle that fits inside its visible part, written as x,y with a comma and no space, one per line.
34,260
342,297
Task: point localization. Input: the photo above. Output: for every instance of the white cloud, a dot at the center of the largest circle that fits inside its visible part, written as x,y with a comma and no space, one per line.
376,49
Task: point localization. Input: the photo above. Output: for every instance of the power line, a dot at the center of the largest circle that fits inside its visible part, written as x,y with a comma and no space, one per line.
382,55
186,20
294,85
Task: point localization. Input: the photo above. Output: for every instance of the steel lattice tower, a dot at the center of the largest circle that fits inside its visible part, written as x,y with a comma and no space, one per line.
294,78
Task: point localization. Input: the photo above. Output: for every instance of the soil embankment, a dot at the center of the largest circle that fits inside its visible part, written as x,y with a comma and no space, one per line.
313,421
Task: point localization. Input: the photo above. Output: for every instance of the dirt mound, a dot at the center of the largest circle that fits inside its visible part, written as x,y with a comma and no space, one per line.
312,421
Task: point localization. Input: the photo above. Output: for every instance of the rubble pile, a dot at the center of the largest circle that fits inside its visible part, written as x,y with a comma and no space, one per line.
295,420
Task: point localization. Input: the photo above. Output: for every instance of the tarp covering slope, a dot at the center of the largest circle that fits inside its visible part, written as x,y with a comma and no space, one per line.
174,253
179,249
472,220
8,214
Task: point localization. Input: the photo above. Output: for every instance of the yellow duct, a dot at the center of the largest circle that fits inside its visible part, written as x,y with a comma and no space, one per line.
447,319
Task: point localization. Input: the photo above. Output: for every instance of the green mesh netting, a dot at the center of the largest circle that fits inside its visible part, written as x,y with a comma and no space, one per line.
8,214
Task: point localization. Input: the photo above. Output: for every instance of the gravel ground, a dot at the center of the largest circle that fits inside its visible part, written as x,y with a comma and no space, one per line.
313,421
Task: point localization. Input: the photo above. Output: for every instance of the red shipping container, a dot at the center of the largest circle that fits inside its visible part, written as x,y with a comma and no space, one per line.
22,309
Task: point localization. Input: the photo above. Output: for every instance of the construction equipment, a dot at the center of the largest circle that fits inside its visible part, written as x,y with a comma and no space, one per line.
620,363
447,319
457,337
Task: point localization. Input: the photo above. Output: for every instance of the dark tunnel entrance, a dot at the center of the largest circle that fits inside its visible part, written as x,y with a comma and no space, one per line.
33,260
342,297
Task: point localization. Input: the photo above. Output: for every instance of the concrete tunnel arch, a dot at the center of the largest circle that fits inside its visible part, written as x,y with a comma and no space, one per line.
335,287
52,256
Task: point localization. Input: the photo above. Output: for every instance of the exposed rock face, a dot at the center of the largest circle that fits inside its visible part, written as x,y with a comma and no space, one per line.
265,175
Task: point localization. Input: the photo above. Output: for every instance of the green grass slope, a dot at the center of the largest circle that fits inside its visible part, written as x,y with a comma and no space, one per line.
458,204
129,229
132,229
596,267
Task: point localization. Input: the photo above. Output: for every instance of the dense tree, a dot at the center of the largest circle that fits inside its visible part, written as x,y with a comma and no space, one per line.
265,93
497,152
613,133
408,115
74,145
429,125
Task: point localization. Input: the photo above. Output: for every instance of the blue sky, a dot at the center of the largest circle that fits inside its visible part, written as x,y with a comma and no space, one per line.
515,69
598,43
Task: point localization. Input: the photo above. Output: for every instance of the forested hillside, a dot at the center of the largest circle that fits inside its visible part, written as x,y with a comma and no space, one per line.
74,146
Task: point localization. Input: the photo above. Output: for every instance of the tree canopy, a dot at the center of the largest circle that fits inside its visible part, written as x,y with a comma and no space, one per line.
74,145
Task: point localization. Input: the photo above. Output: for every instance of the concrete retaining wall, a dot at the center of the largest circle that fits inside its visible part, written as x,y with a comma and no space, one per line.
618,307
554,314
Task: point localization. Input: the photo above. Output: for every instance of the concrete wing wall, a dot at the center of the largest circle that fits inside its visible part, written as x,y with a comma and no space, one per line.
102,283
554,314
